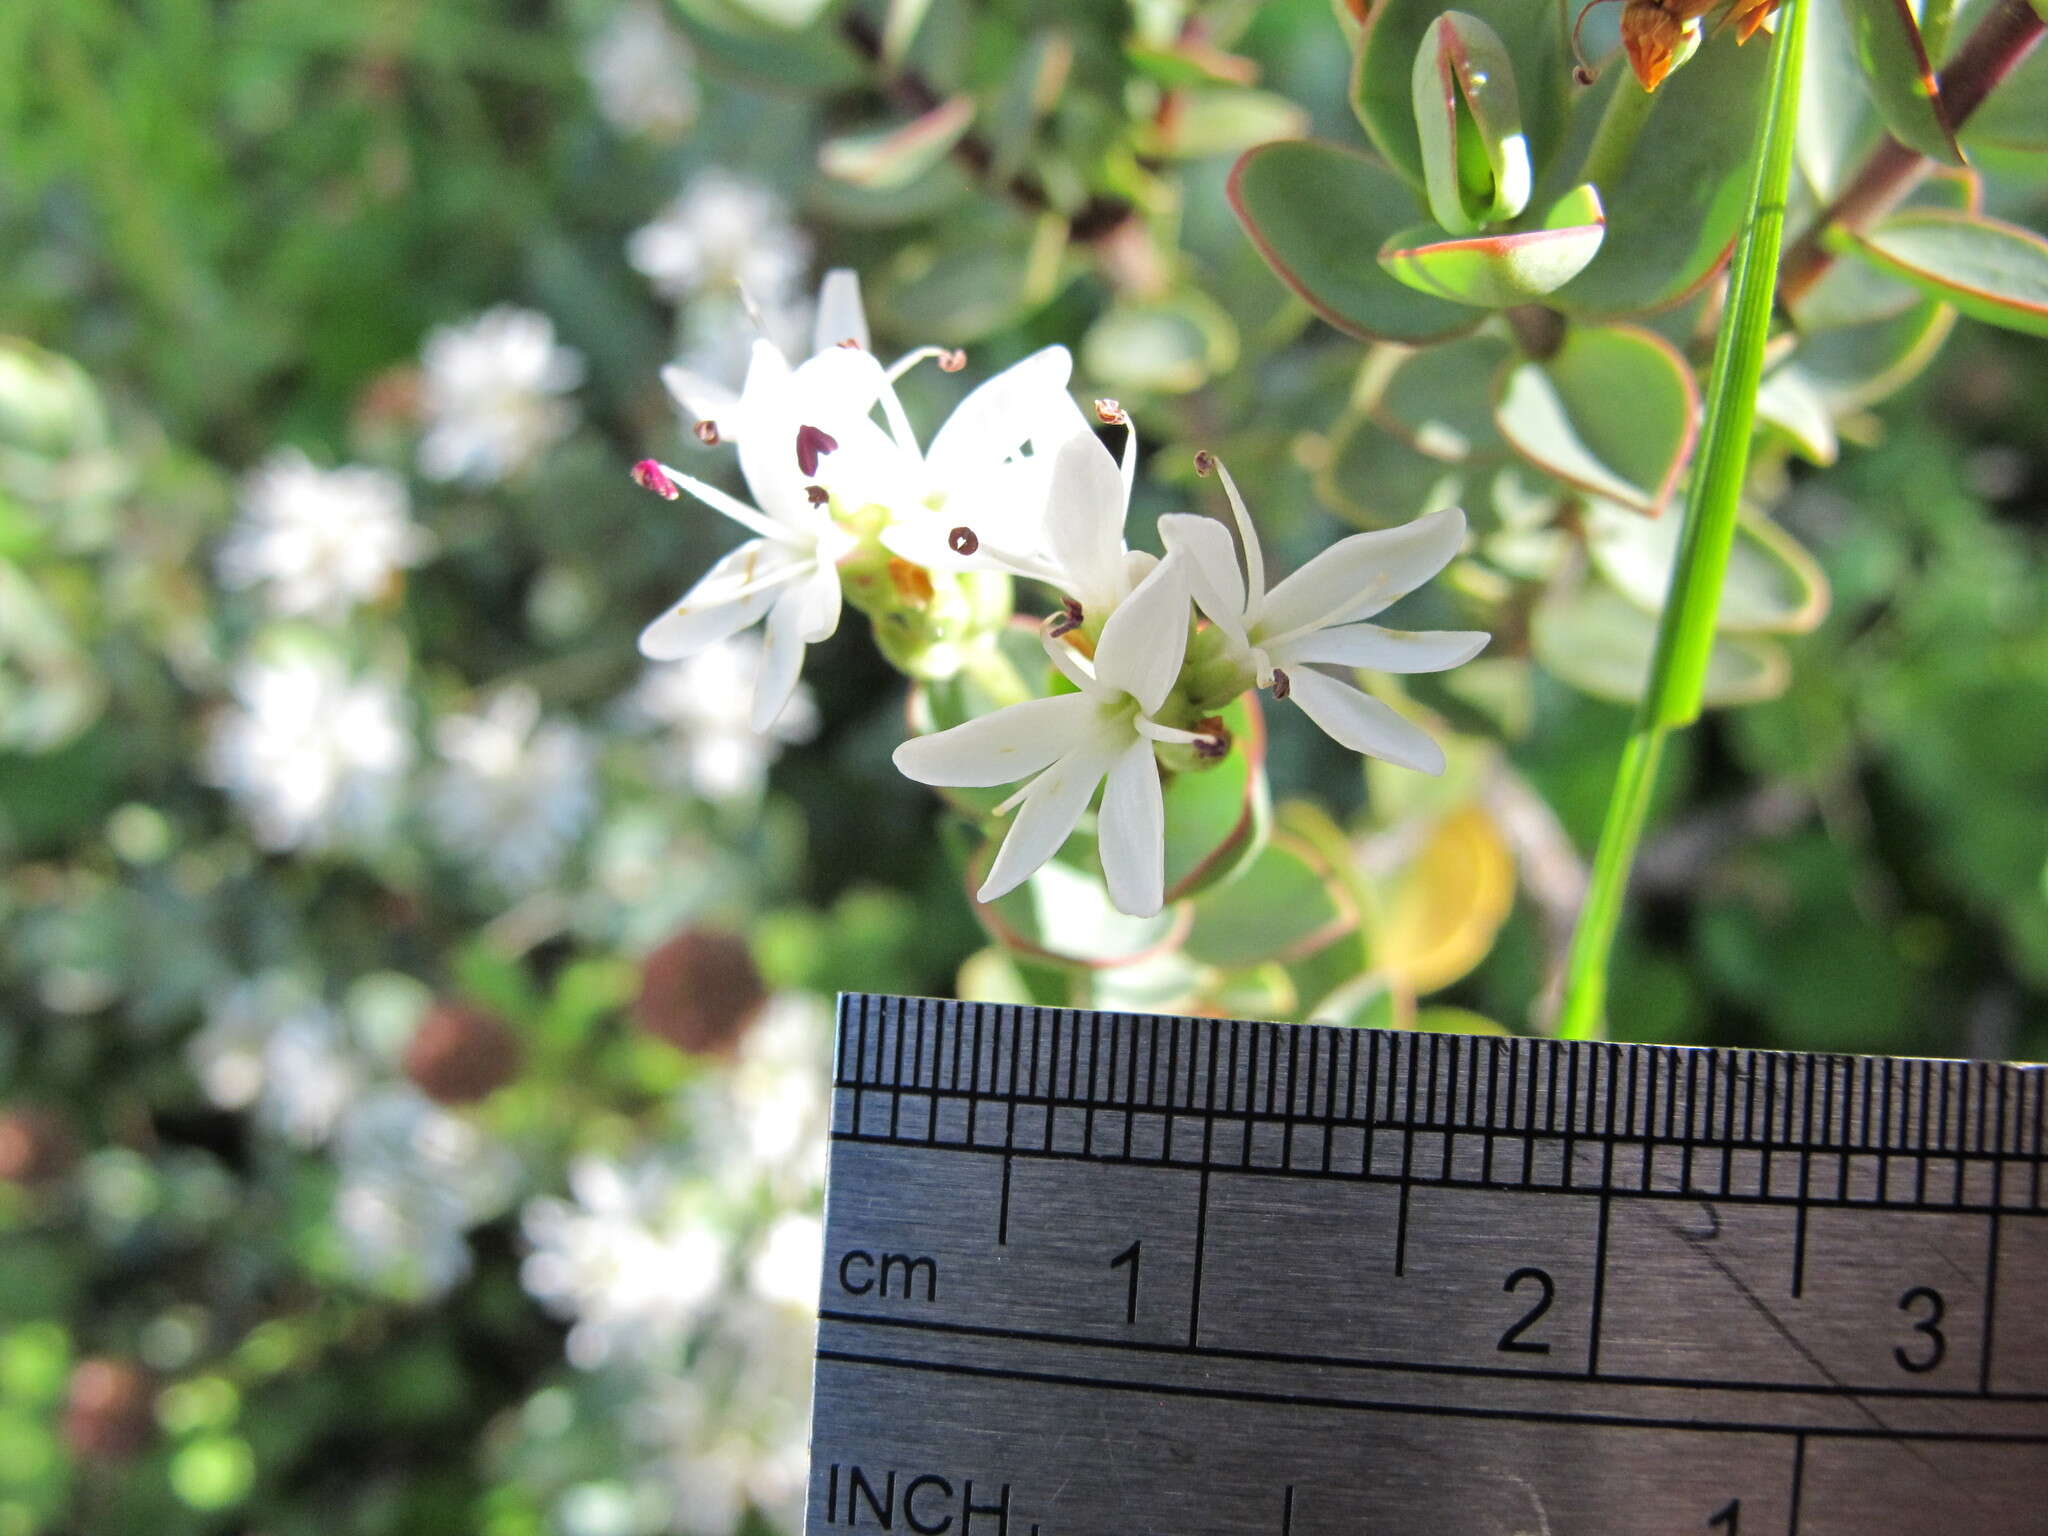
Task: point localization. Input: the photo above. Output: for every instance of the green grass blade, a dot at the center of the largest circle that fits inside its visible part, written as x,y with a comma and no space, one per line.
1685,632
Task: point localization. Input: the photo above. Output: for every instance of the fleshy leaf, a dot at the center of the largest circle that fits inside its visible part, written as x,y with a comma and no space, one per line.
1601,643
1382,86
2014,118
887,158
1217,817
1224,119
1316,213
1613,412
1856,293
1857,366
1377,479
1436,399
1167,345
1286,904
1900,77
1837,123
1790,402
1988,269
1772,586
1674,208
1497,271
1063,914
1447,905
1475,158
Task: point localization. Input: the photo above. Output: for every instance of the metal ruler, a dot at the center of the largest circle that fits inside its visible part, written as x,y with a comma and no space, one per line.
1094,1274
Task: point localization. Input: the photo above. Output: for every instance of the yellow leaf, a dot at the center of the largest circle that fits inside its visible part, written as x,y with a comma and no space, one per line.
1448,906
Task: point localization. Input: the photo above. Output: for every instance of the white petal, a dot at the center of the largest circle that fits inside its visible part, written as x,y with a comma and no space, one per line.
840,316
1385,650
1362,723
703,399
1011,744
1213,574
1356,577
749,518
1084,521
1132,832
782,658
1052,808
734,593
1027,402
819,616
839,383
1146,639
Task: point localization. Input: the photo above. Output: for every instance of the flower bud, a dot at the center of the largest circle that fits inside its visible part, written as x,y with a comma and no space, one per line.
700,991
1475,160
460,1054
1659,35
108,1413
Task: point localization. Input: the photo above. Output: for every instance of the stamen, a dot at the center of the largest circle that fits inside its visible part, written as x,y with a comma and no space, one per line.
1254,556
1074,611
1582,71
1111,413
850,344
1215,742
706,432
962,541
811,444
953,361
1061,625
1281,686
1172,734
650,476
817,495
1205,461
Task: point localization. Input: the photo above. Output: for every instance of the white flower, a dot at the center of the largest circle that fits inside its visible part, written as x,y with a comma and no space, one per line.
517,791
269,1045
787,1262
319,541
622,1259
1316,616
722,229
491,391
716,339
1068,744
793,420
703,701
310,754
639,70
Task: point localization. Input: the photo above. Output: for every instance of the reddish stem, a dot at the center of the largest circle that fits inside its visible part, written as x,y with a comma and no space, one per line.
1998,46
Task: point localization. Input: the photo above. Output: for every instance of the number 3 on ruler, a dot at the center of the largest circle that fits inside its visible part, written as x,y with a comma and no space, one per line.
1132,1256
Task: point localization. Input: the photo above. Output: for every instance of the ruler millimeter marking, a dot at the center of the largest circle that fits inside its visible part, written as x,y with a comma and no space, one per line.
1092,1272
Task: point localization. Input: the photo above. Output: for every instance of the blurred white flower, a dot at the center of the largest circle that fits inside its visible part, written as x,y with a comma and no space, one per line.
311,755
269,1045
788,1261
703,702
623,1258
781,1096
318,541
491,389
515,791
1065,745
1315,616
722,230
716,342
640,72
414,1180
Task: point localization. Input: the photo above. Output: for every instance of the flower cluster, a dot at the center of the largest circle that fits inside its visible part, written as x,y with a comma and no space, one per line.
850,506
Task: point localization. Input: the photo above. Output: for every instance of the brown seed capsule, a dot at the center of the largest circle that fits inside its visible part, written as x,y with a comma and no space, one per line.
700,991
108,1413
36,1147
460,1054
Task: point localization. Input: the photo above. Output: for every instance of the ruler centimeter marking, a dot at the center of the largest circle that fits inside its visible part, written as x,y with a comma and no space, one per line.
1093,1274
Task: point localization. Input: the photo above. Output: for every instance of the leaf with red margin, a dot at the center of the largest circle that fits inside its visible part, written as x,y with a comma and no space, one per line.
1317,213
1988,269
1900,77
1499,271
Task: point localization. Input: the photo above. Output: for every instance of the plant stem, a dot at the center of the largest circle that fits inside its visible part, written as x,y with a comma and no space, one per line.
1621,124
1685,629
1997,46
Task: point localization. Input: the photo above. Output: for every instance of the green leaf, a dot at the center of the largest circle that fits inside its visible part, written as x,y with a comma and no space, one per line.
1601,643
1436,400
1772,584
1168,345
1857,366
1475,159
814,61
1284,906
1899,76
2014,118
1382,86
1856,293
957,292
1837,123
885,159
1792,404
1376,479
1317,213
1673,211
1224,119
1988,269
1063,915
1217,817
1497,271
1613,412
